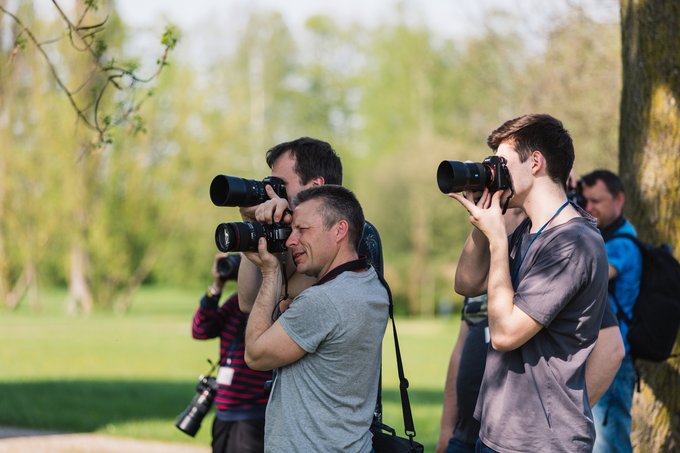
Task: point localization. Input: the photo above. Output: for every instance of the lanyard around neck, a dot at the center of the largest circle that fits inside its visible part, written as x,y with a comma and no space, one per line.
533,238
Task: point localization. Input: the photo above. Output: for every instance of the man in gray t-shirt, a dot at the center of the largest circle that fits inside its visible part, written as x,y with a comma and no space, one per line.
327,344
547,290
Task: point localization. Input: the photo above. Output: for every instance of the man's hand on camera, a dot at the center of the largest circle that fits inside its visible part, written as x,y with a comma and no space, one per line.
486,214
473,196
218,282
248,213
267,262
274,210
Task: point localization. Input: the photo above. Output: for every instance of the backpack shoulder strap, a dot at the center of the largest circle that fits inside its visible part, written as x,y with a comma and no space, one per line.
620,314
370,246
625,236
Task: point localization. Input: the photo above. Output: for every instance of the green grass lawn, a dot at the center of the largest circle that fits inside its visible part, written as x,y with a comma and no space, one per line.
132,375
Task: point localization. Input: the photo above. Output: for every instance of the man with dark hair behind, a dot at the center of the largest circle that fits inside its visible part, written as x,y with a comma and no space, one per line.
301,163
547,290
605,198
327,345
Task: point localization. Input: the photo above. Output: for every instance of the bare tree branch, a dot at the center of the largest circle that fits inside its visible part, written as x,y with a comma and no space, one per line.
85,38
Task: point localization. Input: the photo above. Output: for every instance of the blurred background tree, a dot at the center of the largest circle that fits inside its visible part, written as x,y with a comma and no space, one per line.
650,169
394,98
61,177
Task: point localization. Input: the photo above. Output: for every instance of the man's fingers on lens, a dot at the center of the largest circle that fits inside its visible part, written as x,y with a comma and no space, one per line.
271,192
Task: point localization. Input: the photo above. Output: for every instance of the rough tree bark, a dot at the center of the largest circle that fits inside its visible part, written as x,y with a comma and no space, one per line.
650,169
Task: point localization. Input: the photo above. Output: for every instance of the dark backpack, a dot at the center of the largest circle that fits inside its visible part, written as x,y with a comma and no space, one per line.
656,314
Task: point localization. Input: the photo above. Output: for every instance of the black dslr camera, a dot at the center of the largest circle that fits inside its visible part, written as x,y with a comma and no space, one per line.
457,176
243,236
227,267
232,191
189,421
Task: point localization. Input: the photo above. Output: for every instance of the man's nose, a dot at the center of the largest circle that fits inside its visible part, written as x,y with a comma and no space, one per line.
291,239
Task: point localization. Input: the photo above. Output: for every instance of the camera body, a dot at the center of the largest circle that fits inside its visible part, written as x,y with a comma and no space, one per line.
456,176
575,194
227,267
233,191
189,421
243,236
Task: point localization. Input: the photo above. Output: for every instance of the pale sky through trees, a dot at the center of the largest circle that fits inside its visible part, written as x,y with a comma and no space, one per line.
451,18
446,18
217,18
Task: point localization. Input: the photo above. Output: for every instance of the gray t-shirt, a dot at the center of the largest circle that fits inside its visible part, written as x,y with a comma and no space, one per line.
534,398
325,401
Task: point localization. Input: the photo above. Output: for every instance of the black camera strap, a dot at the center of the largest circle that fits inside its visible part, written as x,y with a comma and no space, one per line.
409,428
352,266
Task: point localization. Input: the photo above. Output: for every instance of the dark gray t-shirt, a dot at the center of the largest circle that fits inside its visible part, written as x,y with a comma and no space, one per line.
534,398
325,401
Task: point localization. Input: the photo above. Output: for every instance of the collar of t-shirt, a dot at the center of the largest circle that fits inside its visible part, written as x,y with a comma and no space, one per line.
613,228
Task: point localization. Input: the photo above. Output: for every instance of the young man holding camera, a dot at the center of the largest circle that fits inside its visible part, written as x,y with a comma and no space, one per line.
241,398
327,345
547,290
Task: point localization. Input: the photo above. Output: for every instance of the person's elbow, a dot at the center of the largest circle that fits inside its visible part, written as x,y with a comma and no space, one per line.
504,343
618,352
255,361
244,304
467,288
610,346
507,337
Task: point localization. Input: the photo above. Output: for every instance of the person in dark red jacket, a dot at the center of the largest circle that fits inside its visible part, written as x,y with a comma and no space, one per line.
241,396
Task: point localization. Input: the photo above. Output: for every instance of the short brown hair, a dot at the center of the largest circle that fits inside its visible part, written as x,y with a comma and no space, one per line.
538,132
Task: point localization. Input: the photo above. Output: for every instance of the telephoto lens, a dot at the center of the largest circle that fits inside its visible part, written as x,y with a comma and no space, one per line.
457,176
233,191
189,421
244,236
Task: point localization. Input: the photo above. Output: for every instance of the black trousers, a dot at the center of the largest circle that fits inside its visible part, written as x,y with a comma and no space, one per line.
245,436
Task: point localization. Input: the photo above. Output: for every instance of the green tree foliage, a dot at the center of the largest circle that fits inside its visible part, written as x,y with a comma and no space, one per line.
578,80
393,98
61,192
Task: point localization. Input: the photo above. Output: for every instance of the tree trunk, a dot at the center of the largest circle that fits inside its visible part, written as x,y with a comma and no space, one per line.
79,298
650,170
26,285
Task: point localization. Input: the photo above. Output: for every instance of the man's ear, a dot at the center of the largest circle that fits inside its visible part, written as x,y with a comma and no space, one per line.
341,230
537,162
318,181
619,201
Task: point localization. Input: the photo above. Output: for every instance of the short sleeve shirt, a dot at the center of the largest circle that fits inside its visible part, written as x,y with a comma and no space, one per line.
325,401
534,398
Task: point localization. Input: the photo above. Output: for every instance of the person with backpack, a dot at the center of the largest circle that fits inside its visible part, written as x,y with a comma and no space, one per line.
604,196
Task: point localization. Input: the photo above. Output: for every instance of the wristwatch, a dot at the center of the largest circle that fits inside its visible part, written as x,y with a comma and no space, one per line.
213,292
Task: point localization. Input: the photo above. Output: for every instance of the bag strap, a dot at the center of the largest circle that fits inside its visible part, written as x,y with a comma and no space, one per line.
620,314
409,429
625,236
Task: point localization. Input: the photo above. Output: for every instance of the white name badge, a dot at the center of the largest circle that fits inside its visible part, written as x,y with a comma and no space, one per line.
225,375
487,336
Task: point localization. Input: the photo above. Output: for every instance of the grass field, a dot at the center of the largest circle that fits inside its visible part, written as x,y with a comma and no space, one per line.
132,375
